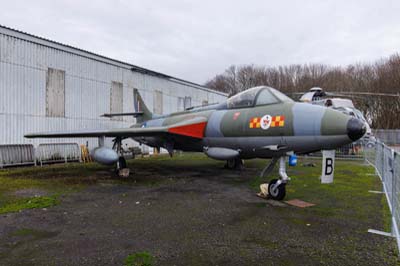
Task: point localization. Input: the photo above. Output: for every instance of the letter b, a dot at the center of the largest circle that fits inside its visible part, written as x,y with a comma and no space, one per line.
328,166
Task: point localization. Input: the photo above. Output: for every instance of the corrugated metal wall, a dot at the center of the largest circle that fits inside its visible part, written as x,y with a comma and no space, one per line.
24,66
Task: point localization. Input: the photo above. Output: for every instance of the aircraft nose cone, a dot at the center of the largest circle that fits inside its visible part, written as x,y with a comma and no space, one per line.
355,129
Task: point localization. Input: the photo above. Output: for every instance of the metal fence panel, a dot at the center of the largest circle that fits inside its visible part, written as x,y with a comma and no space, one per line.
387,165
16,155
396,193
378,162
388,136
388,172
58,152
352,151
370,154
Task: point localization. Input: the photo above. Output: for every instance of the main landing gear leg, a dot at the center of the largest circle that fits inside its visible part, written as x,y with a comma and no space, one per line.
277,187
121,164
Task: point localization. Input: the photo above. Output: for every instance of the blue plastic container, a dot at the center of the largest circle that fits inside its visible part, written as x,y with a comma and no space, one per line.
293,160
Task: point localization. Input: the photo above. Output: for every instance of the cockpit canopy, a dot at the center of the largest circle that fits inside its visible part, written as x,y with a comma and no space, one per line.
257,96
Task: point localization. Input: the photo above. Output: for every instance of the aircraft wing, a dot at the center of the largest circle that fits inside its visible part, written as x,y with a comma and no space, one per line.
191,127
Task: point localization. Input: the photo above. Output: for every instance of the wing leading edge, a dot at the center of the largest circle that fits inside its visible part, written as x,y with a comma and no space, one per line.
122,132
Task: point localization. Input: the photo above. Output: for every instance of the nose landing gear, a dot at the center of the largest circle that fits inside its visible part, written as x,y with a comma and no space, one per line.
277,187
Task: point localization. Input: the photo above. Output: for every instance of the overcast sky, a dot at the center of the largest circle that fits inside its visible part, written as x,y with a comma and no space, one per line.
195,40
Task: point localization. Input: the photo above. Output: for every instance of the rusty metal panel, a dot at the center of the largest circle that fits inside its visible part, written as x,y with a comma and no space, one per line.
55,93
116,99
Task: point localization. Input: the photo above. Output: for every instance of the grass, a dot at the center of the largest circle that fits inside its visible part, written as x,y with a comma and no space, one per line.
139,259
53,180
35,234
30,203
348,195
61,179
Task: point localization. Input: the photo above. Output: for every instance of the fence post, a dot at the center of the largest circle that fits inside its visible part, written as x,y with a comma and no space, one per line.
394,196
383,165
376,157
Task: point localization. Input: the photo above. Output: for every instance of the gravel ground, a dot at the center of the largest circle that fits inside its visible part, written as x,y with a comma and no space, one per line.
186,214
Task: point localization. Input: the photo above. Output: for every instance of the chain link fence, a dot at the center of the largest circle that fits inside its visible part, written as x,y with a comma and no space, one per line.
388,136
353,151
387,165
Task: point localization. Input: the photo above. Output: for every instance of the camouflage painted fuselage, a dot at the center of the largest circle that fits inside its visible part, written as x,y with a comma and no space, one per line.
259,132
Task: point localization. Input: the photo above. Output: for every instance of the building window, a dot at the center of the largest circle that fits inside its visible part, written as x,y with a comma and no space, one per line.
181,104
158,103
116,100
204,103
188,102
55,93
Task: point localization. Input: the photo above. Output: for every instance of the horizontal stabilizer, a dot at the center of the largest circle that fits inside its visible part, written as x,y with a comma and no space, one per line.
134,114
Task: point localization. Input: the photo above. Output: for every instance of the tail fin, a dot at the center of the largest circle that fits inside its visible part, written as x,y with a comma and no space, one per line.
141,107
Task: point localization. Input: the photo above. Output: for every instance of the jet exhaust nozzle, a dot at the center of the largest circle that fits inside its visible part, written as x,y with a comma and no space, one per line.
355,129
105,155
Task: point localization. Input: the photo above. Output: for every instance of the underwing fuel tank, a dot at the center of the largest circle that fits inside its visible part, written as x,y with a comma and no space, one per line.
105,155
218,153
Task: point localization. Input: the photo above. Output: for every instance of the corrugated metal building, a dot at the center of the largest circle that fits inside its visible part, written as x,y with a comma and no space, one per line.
48,86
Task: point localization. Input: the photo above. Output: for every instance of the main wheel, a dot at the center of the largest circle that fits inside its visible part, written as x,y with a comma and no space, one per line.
276,192
235,163
230,164
121,164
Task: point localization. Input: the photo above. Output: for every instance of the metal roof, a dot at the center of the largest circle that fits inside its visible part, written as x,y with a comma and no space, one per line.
84,53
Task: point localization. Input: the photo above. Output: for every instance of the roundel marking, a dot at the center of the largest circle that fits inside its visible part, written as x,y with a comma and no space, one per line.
266,122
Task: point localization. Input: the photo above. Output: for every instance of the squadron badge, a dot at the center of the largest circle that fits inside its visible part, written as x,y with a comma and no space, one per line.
267,121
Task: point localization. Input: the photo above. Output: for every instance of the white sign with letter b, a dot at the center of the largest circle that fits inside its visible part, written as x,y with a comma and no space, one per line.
328,166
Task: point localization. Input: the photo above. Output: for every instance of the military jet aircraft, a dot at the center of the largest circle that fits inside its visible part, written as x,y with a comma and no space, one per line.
260,122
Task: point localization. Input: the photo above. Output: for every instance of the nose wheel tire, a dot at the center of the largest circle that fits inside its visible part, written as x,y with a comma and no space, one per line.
276,192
